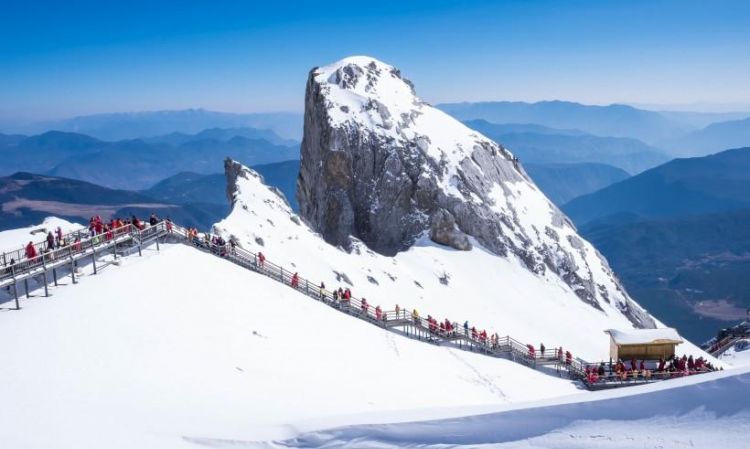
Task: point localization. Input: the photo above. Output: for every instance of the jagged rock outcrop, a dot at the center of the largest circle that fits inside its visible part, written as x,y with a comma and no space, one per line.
234,170
381,165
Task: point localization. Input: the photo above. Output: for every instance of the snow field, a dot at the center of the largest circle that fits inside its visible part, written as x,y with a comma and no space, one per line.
169,348
697,412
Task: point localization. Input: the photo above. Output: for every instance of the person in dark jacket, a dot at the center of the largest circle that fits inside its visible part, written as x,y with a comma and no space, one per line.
50,241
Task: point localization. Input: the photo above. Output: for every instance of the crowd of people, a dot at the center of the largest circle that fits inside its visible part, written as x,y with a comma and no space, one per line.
647,369
98,230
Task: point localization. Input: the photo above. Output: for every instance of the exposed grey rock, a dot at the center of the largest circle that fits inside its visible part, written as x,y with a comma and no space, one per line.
443,230
342,277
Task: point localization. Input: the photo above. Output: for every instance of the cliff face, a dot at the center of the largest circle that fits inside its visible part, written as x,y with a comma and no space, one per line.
380,165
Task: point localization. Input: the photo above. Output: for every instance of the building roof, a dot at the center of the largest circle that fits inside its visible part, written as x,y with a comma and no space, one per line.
645,336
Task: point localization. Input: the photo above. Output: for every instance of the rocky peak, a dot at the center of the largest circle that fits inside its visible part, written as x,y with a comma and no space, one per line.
382,166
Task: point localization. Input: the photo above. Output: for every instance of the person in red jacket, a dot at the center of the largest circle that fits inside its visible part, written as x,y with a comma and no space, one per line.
261,259
295,280
30,251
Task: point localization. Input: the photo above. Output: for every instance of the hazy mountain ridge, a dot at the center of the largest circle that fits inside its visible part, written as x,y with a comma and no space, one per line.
134,125
540,144
131,164
28,198
713,138
177,138
564,182
680,187
613,120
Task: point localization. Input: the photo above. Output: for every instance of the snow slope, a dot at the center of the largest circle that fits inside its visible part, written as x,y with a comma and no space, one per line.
492,292
738,355
699,412
180,347
14,239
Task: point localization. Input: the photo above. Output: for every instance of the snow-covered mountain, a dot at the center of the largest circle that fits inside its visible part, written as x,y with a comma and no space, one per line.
380,165
494,292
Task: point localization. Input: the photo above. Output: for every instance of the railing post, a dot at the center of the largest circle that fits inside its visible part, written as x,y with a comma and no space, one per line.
140,254
72,266
307,287
26,286
93,256
54,275
15,286
282,275
46,288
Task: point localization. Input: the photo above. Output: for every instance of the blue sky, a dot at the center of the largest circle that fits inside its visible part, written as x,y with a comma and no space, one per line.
72,57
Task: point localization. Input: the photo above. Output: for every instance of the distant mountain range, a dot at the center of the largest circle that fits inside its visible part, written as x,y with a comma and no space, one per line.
613,120
682,187
667,130
27,199
222,135
563,182
134,164
138,125
543,145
